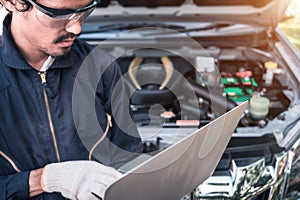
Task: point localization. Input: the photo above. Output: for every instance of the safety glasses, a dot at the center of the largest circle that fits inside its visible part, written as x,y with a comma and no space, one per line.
62,18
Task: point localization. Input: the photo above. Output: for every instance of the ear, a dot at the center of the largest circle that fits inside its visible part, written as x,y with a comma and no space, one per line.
10,5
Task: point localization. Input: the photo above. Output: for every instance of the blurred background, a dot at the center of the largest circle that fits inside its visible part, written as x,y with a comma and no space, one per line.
291,24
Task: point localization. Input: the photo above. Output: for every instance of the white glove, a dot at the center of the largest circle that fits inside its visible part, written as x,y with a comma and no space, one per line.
78,179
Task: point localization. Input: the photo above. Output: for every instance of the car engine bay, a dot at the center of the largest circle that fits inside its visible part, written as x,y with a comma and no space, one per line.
182,79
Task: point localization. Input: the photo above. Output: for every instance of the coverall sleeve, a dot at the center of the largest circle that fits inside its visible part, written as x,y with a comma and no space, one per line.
123,133
100,89
14,186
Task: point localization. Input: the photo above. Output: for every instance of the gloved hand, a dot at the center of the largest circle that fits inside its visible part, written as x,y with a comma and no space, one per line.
78,179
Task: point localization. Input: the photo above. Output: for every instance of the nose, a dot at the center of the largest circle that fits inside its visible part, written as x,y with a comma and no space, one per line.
74,27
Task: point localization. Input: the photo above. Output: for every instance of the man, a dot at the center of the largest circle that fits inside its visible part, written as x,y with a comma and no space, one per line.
46,151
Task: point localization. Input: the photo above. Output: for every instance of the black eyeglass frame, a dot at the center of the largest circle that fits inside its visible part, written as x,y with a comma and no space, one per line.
52,12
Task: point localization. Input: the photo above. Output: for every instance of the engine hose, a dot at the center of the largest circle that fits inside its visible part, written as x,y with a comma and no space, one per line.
216,99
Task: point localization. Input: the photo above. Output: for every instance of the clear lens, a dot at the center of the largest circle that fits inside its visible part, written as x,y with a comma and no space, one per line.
62,21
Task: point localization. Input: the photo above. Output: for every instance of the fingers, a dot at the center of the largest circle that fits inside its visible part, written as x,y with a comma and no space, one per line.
98,190
103,182
108,171
79,179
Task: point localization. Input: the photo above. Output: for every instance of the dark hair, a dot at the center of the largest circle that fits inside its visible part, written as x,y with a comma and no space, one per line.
25,6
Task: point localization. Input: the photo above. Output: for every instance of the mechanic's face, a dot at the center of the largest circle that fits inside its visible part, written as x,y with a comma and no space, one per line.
52,35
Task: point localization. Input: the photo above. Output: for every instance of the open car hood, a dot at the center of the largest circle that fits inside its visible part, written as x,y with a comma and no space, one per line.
262,13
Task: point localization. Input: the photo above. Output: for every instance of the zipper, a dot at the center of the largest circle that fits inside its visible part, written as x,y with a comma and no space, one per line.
44,81
11,162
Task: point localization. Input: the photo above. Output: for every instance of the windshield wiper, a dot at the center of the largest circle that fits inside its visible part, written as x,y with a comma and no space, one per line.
211,26
205,28
128,26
